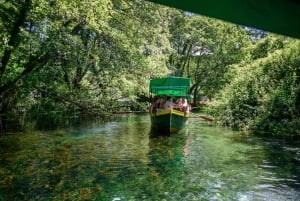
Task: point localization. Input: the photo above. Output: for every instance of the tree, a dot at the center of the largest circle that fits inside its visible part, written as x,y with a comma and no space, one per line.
63,55
263,95
205,49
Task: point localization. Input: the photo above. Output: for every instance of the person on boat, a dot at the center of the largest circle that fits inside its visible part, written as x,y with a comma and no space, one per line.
178,105
153,107
169,104
185,106
160,104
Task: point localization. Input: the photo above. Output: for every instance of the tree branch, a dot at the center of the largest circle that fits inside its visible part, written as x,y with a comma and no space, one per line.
32,65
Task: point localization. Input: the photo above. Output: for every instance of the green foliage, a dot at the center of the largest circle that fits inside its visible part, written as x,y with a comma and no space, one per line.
204,49
86,57
264,95
78,55
266,46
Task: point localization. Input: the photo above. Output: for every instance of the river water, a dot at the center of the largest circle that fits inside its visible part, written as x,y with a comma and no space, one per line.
121,160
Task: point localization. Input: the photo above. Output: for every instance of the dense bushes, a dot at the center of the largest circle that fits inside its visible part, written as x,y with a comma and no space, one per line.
264,95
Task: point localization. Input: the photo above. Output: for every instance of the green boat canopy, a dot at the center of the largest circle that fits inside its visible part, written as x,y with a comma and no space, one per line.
173,86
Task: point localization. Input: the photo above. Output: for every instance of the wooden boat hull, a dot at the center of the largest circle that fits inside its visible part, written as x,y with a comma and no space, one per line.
168,121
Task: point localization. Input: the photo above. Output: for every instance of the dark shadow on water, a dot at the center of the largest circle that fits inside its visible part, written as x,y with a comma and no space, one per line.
285,160
54,122
154,133
281,157
57,122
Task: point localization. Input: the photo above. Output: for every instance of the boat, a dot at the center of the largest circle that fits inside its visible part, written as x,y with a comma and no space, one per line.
170,120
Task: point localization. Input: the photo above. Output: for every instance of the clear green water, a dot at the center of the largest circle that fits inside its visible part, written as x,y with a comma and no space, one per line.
119,160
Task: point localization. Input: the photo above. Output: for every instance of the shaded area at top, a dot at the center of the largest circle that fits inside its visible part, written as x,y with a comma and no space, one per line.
278,16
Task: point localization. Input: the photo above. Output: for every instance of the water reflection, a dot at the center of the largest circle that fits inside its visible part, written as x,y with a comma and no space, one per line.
166,167
120,160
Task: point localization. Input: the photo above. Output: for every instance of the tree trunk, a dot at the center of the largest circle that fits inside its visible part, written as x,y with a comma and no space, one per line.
14,40
3,112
